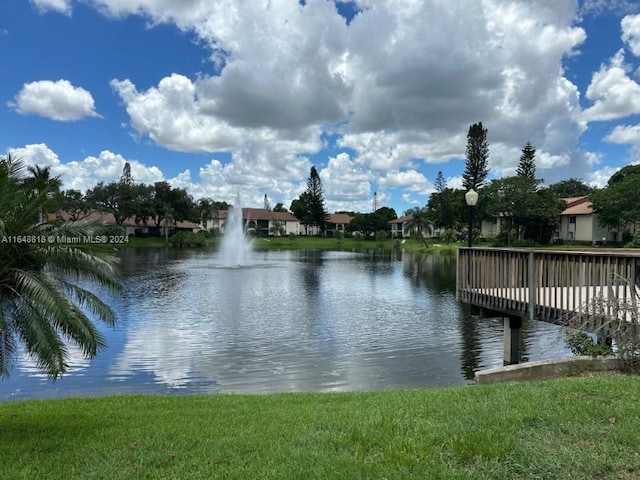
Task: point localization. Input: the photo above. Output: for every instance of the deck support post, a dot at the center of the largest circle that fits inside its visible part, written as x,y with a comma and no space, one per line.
512,340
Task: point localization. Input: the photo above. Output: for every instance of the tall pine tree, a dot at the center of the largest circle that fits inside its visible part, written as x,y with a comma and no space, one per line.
315,193
527,165
477,164
441,183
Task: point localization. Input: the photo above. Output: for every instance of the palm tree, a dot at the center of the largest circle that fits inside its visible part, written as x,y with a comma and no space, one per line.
43,298
419,223
40,182
277,228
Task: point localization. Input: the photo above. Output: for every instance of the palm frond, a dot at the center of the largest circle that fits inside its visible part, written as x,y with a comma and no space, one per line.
8,345
90,301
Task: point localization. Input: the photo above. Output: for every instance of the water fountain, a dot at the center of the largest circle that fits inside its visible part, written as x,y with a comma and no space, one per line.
235,250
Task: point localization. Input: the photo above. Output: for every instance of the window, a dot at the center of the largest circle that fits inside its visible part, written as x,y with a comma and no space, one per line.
572,219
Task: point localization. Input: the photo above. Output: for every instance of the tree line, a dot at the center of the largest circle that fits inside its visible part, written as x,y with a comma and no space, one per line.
528,211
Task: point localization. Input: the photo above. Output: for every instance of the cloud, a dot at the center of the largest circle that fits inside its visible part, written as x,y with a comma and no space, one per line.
58,100
614,93
393,84
599,7
631,33
85,174
59,6
625,134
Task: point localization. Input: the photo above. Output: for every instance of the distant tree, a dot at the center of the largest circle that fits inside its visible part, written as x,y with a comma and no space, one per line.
39,179
363,223
267,205
279,208
317,210
386,214
420,224
309,207
448,236
441,183
205,211
477,153
527,165
617,204
40,182
449,209
126,177
530,213
114,198
277,228
74,204
572,187
300,208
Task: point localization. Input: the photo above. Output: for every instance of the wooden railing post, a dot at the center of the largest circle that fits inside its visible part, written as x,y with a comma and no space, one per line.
532,285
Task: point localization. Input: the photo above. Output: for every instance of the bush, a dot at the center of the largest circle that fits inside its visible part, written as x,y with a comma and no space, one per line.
381,235
582,344
187,240
635,243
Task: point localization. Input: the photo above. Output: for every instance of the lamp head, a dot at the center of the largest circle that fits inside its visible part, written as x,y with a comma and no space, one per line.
471,197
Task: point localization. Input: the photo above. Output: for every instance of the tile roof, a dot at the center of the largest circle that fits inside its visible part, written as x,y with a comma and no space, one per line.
339,218
109,219
406,218
577,206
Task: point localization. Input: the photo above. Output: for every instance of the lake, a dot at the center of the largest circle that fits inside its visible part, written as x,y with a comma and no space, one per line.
293,321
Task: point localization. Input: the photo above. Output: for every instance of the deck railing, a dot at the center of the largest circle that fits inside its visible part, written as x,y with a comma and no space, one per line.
549,285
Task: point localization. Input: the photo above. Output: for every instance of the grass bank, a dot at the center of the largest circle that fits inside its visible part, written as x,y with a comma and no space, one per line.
579,428
302,242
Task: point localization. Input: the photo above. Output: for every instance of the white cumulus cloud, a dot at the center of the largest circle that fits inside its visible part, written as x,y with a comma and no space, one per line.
86,173
59,6
631,33
58,100
614,93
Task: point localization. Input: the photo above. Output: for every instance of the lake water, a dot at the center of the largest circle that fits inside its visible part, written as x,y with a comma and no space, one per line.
294,321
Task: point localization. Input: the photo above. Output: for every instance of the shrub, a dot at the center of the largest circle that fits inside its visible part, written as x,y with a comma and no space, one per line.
187,239
381,235
635,243
582,344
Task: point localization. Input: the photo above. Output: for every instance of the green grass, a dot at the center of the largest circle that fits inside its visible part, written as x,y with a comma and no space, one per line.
328,243
579,428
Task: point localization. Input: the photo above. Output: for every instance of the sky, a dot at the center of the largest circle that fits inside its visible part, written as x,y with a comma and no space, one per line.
237,97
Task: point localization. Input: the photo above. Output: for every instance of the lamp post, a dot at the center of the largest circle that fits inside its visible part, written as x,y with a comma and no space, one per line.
471,197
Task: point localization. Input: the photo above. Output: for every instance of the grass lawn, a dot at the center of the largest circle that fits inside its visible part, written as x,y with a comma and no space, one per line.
578,428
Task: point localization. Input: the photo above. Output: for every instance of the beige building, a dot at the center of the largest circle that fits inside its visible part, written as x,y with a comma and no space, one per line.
399,228
131,226
261,221
579,223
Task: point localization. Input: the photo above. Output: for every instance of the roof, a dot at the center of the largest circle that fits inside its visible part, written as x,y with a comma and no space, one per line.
406,218
264,214
578,206
339,218
110,219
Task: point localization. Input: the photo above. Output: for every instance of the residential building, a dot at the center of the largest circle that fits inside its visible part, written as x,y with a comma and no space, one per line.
399,228
259,221
131,226
579,223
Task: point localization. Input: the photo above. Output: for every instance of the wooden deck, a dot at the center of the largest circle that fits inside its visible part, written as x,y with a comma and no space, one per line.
563,287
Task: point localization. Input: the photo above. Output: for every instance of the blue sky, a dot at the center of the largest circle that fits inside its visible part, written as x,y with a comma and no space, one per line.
233,97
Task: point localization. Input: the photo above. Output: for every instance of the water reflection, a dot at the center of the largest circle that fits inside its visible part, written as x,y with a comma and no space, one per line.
471,353
295,321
